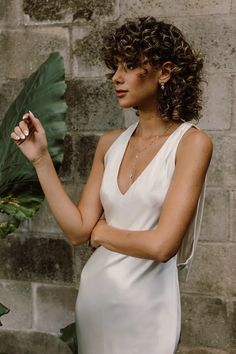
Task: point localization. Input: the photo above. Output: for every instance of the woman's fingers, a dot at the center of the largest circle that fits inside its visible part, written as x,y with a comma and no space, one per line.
19,132
15,137
30,118
27,126
24,128
33,122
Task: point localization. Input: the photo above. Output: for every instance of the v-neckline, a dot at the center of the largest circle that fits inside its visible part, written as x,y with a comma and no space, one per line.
147,166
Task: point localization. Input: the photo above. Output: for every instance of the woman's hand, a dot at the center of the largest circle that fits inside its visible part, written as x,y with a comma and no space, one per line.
30,137
97,232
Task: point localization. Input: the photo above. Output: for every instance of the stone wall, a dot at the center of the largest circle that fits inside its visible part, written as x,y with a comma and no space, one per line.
39,270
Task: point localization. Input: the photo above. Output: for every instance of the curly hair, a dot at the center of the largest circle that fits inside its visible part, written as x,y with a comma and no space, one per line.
160,42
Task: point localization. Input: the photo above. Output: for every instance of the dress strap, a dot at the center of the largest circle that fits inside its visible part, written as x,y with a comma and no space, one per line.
120,143
189,242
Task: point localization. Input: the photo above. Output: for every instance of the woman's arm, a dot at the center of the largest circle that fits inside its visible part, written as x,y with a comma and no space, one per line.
76,222
192,160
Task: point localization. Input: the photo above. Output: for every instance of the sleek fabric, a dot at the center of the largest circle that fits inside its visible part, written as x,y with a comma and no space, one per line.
129,305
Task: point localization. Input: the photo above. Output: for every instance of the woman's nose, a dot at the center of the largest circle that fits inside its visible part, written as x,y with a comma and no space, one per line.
118,76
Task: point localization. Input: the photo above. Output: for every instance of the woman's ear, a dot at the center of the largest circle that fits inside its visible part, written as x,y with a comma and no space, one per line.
165,72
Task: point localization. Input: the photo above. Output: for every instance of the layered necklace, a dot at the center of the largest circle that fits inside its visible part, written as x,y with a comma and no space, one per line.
139,153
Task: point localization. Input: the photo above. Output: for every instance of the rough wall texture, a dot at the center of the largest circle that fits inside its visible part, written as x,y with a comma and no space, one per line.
39,271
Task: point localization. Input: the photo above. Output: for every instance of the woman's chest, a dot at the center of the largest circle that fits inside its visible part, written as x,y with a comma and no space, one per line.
135,161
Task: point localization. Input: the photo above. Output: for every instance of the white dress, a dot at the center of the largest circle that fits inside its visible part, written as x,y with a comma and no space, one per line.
129,305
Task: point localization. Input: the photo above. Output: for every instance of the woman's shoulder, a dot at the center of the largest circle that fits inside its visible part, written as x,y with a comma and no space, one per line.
108,138
195,141
197,138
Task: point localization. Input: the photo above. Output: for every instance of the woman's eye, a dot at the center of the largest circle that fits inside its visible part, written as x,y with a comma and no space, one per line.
129,66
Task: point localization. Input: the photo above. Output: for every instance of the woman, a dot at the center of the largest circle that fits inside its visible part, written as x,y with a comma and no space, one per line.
141,196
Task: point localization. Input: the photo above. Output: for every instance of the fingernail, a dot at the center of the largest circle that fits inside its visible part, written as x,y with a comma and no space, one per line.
31,113
17,137
26,132
22,136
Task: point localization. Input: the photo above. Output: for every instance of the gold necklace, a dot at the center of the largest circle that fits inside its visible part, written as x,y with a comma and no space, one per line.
140,152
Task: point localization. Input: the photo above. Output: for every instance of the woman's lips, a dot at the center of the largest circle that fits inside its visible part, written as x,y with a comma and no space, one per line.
121,93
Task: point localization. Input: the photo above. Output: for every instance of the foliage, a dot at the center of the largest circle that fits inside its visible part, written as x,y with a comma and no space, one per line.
43,94
68,335
3,311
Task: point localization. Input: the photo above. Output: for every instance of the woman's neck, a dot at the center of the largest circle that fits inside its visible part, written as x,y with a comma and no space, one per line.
152,124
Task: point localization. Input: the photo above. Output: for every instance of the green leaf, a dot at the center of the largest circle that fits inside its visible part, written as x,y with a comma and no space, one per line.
43,94
3,311
68,335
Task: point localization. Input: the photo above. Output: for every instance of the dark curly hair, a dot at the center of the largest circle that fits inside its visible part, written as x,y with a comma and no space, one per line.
160,42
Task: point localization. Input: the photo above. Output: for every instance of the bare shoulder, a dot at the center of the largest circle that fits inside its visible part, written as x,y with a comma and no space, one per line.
107,139
195,142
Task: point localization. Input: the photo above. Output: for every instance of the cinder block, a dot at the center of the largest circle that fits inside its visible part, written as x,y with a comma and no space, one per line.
47,11
215,37
35,259
198,350
92,106
84,150
43,222
204,322
215,223
233,325
222,169
10,14
67,165
22,342
22,51
232,271
8,92
135,8
233,215
67,11
204,275
216,114
17,297
94,9
54,307
87,45
81,254
234,105
233,6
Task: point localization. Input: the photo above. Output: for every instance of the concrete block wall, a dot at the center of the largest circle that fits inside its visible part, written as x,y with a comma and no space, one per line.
39,270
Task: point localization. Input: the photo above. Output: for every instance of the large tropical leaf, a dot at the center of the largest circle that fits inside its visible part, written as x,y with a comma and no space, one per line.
43,94
3,311
68,335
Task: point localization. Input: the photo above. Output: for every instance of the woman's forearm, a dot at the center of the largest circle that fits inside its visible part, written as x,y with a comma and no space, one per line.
142,244
67,215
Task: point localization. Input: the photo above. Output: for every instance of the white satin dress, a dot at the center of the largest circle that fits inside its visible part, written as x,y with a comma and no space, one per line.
129,305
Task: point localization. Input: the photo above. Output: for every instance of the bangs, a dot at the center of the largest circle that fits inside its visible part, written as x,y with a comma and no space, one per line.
125,45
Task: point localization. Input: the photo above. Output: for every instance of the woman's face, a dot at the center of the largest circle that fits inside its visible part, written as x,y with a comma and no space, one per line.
136,87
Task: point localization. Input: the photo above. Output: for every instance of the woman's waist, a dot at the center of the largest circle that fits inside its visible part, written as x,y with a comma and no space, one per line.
108,264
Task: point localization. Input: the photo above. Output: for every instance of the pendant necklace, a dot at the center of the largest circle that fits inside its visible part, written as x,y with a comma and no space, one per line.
138,153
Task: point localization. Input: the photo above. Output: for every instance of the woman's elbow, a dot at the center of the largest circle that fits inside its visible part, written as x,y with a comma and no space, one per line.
165,257
164,254
76,240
